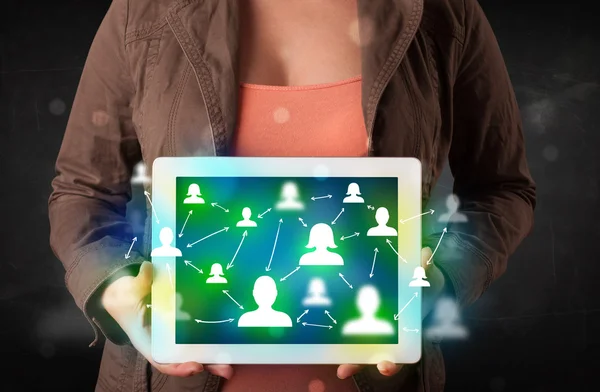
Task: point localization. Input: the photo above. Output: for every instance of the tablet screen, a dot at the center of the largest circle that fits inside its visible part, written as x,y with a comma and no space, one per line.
271,260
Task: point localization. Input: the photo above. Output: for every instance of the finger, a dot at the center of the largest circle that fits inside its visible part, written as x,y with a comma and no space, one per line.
141,339
144,276
178,369
426,254
225,371
345,371
388,368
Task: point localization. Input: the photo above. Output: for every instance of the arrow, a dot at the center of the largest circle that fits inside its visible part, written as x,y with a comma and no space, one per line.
170,276
374,258
210,235
226,292
187,262
302,315
148,306
185,223
263,214
336,218
131,246
151,205
268,267
415,295
416,216
214,322
320,197
438,244
317,325
230,264
285,277
342,276
302,221
217,205
370,207
396,252
350,236
410,330
328,315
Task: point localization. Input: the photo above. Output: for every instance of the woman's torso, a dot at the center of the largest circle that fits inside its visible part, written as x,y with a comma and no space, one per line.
185,69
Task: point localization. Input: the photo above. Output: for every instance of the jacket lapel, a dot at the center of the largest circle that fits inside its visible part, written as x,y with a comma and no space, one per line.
386,28
207,31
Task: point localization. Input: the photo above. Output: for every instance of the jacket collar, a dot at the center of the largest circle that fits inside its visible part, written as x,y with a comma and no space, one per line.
207,31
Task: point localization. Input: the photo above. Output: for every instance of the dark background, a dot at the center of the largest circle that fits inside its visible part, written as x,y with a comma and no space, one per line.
536,329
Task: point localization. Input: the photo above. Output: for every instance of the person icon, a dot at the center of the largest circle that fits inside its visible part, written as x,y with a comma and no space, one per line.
353,194
320,238
382,216
368,303
165,250
216,274
317,295
140,176
193,194
265,293
246,222
452,215
290,198
446,321
418,276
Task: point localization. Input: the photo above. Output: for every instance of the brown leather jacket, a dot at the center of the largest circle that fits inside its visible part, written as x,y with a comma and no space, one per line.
161,80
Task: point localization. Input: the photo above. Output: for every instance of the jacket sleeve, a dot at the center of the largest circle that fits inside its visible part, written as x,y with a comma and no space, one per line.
488,162
89,231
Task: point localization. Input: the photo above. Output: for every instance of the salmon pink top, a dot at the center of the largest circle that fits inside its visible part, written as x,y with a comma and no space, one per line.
318,120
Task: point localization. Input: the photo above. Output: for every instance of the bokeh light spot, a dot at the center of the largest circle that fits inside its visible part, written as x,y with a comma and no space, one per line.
100,118
321,172
497,384
550,153
316,385
47,350
57,106
362,31
281,115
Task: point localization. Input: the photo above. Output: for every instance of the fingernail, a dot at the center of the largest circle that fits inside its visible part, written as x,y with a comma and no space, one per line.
384,368
196,370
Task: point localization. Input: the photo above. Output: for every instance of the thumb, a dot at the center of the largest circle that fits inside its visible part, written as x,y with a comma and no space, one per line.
426,254
144,276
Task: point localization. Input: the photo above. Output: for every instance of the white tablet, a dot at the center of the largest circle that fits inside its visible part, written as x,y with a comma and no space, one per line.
286,260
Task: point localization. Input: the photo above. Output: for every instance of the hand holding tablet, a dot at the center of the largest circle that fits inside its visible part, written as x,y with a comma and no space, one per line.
286,260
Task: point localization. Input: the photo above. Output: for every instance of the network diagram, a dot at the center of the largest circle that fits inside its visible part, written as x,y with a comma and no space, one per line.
321,246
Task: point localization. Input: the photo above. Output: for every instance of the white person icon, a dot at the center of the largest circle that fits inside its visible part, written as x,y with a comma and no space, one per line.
368,302
290,198
452,215
353,194
382,216
140,176
165,250
320,238
265,294
317,294
246,221
193,194
446,321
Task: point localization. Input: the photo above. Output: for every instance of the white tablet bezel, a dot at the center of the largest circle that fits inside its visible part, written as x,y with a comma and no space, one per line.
164,174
